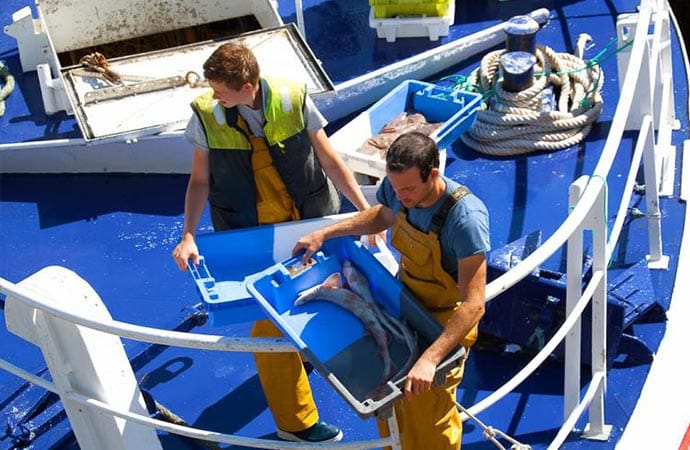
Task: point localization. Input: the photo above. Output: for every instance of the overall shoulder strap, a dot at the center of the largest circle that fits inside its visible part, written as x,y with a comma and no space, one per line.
440,217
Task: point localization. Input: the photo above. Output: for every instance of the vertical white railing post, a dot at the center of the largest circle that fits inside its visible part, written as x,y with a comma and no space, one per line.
626,27
661,52
663,98
394,432
665,150
82,360
655,258
299,14
596,221
571,377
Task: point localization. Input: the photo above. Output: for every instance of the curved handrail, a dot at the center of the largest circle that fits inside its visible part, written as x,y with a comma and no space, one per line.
544,353
578,214
195,433
148,334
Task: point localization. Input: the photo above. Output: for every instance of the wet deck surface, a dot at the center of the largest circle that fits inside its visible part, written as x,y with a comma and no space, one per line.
117,231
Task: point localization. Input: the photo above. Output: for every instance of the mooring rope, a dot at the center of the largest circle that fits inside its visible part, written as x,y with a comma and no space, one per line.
555,112
7,88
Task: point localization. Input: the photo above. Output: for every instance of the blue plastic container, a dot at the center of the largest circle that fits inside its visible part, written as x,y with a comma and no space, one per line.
333,339
456,109
232,255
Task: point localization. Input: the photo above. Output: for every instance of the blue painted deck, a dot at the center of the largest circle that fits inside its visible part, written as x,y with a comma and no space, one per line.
117,232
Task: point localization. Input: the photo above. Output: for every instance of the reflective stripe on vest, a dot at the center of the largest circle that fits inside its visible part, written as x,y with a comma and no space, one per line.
233,184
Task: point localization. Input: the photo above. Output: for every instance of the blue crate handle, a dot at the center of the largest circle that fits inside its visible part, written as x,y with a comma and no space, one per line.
203,279
442,93
382,407
296,260
460,122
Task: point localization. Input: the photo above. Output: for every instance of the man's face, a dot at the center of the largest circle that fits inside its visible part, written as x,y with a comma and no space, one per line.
229,97
411,191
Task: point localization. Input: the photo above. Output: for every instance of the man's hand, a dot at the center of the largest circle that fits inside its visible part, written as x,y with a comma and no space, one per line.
184,250
420,378
372,238
310,243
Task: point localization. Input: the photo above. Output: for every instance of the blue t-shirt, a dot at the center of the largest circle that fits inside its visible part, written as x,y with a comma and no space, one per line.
465,231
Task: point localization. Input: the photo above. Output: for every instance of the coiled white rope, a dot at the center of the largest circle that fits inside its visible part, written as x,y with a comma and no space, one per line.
515,123
7,88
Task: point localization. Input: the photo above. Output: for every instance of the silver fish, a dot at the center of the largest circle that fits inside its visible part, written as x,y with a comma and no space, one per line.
360,285
333,280
331,290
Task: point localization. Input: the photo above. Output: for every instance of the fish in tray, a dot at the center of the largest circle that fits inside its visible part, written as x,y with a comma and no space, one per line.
400,124
331,290
359,284
359,301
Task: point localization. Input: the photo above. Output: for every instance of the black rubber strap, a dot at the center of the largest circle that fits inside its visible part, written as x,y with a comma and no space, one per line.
440,217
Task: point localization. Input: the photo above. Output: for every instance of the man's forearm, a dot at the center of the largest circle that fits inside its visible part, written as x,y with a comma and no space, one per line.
347,184
195,202
458,326
369,221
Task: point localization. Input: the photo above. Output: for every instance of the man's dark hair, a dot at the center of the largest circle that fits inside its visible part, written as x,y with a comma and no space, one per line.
413,149
233,64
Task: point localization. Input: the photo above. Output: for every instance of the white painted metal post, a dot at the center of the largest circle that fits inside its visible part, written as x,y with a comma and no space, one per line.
32,40
83,361
655,259
626,26
573,340
662,96
662,54
299,13
596,221
665,150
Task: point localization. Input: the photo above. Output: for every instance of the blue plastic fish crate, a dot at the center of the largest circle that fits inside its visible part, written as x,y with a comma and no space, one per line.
456,109
333,339
232,255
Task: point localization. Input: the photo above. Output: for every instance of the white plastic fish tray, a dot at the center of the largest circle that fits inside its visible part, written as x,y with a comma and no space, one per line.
456,109
413,26
333,339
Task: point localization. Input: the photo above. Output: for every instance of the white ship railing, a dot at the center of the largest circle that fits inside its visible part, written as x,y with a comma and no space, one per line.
44,305
648,83
647,78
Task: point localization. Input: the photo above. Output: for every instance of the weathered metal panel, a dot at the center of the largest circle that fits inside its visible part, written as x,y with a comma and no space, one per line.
157,87
74,24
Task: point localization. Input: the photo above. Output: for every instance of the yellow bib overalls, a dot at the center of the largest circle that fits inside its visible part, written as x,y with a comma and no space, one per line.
282,375
429,420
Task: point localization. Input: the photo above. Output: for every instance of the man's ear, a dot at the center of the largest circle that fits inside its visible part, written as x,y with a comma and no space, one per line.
434,173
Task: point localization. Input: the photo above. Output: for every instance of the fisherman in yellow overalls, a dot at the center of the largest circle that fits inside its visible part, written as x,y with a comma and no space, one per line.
261,156
442,233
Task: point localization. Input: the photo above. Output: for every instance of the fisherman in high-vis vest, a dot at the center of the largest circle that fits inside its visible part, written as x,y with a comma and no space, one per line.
442,233
261,156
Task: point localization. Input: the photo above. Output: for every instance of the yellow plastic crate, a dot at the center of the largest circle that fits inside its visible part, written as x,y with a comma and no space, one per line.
392,8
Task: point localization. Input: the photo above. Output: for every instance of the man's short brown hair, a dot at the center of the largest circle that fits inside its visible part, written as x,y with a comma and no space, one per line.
233,64
413,149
